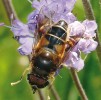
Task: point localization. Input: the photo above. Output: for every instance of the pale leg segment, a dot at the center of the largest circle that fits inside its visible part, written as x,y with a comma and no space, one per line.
27,69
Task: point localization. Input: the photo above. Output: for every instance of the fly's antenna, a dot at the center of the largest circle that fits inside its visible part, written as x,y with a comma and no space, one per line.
17,82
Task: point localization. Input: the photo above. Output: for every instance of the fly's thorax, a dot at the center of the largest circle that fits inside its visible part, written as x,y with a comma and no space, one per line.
62,24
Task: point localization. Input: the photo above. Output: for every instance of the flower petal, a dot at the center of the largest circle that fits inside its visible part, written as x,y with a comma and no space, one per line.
20,29
26,47
90,26
87,45
33,15
70,18
79,64
32,21
55,10
76,29
75,61
38,5
70,4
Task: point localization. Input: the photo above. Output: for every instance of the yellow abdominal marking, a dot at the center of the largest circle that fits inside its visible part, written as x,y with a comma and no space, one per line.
57,38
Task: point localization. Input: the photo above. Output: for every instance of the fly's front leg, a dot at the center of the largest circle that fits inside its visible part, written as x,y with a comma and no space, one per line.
27,69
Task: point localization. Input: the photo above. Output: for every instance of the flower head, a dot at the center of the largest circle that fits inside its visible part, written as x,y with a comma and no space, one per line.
85,31
54,11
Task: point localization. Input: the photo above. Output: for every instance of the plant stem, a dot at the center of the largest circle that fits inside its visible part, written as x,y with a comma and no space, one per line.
90,15
41,95
88,10
54,93
78,84
9,9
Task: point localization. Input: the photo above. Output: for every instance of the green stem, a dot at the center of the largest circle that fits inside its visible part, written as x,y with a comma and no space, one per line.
78,84
90,15
9,9
41,95
54,93
88,10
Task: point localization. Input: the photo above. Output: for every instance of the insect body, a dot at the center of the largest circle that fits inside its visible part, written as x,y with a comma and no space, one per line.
49,54
51,49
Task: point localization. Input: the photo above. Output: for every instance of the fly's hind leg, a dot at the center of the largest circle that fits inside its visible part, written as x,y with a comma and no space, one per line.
17,82
51,79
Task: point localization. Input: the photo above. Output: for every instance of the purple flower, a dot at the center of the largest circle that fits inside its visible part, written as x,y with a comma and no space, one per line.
50,3
90,26
20,29
33,19
70,4
74,61
85,31
39,4
26,47
87,45
23,36
76,29
69,18
56,10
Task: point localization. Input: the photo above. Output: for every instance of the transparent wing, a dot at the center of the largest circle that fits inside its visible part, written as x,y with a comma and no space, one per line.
43,24
71,45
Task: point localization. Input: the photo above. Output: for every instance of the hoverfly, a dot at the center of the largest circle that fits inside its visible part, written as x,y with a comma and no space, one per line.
50,50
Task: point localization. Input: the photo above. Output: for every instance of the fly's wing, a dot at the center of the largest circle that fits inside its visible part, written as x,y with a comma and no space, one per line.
71,43
46,17
44,23
45,20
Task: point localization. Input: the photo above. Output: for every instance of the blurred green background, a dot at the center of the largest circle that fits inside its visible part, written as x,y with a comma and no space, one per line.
12,64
